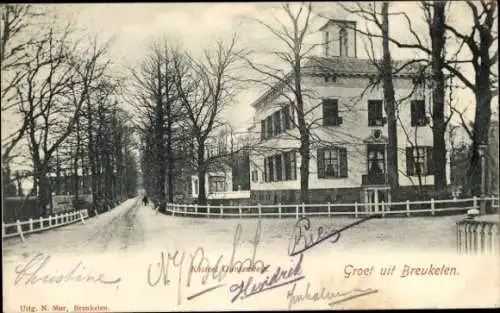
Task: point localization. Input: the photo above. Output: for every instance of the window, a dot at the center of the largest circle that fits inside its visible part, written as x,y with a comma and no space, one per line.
331,113
276,122
418,117
343,40
255,176
217,183
280,167
419,161
376,159
332,162
375,109
290,165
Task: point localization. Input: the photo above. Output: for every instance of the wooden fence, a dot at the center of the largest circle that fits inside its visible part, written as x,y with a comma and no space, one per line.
408,208
20,228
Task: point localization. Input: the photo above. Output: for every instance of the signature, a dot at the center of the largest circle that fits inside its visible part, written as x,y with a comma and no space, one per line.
30,272
339,296
303,238
211,280
281,277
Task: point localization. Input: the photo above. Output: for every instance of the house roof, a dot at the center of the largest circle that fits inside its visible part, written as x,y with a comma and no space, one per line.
346,66
350,66
336,21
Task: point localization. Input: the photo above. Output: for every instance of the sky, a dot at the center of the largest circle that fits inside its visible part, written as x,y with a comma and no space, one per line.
133,27
196,25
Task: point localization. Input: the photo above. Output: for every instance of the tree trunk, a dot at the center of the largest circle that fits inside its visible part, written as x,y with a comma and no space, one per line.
75,164
44,192
202,195
481,127
437,32
92,155
170,173
390,107
304,168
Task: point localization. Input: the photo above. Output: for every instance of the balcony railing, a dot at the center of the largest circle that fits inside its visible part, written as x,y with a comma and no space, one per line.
373,179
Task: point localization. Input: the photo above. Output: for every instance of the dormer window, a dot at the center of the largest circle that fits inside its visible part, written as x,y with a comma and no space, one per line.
339,38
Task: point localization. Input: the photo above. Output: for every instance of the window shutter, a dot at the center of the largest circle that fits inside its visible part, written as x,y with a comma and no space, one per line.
410,166
269,126
334,113
430,161
321,162
266,171
262,129
421,109
414,105
324,104
343,162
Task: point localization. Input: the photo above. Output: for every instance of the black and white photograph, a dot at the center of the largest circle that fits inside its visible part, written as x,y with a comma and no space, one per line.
254,156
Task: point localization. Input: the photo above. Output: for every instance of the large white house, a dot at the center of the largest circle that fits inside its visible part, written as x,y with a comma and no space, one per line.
348,160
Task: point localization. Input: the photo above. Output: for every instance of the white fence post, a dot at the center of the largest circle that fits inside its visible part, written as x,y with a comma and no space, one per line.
173,209
383,208
96,214
221,210
408,208
297,211
279,210
329,210
81,217
20,230
474,202
260,210
31,224
41,222
196,208
433,207
239,209
356,210
208,209
185,209
50,220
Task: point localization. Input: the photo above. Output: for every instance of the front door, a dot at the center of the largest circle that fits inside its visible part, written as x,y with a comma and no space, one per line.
376,199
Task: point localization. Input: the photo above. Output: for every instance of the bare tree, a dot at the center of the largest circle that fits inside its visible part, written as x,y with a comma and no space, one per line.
287,79
155,97
205,87
56,71
18,24
480,42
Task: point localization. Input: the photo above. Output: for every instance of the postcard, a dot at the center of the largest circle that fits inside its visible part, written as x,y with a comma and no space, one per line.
249,156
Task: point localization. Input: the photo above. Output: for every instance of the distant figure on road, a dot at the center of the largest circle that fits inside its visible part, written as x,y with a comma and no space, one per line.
145,200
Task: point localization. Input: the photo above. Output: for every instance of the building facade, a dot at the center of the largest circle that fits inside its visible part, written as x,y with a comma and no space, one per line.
346,115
